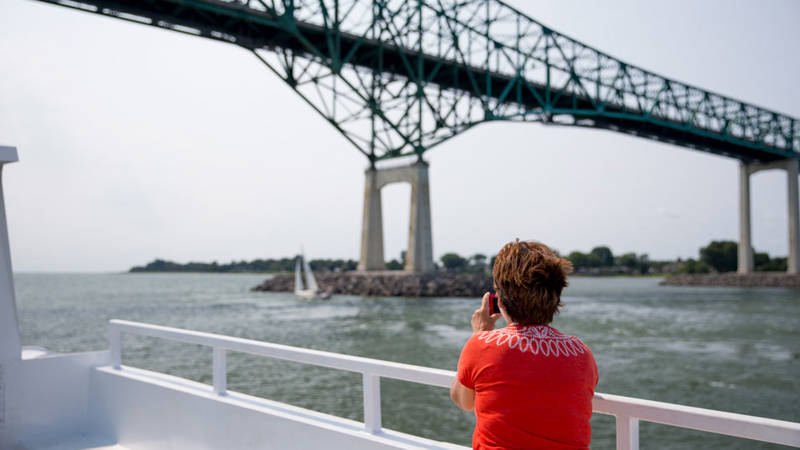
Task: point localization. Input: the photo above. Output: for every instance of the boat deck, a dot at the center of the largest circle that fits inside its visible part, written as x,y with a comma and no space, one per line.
54,397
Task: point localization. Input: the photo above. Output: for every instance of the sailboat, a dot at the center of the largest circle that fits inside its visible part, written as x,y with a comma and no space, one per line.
311,290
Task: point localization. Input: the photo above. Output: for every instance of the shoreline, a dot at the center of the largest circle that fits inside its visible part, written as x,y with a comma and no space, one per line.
733,279
354,272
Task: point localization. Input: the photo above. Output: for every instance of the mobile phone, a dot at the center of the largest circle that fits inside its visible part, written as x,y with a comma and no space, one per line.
493,307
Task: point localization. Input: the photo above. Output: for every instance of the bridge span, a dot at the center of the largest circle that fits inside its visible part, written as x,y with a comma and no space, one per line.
396,78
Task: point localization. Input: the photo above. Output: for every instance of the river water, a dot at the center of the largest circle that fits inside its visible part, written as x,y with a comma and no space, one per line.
729,349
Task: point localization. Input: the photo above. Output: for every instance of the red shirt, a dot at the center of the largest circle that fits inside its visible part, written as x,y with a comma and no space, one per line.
533,388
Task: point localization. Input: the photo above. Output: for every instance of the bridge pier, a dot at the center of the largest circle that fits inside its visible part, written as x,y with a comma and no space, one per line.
745,263
419,255
372,225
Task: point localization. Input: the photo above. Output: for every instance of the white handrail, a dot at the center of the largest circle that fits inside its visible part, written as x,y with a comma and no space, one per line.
399,371
628,411
720,422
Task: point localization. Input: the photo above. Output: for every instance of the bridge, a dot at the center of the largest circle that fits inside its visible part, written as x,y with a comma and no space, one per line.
396,78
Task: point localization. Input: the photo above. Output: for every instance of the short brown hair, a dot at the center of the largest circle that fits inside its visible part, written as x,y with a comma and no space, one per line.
529,278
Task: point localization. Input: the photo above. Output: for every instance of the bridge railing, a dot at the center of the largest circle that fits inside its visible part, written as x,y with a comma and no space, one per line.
627,411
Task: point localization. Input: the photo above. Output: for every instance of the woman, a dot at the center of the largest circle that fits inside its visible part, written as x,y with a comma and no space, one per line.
530,385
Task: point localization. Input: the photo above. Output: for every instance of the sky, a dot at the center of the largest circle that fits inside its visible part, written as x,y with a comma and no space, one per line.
137,143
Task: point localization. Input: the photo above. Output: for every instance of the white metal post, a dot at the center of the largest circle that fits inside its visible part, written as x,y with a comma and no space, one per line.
372,403
115,342
10,346
219,374
627,433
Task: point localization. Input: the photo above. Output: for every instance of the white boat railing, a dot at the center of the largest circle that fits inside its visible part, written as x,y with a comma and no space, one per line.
627,411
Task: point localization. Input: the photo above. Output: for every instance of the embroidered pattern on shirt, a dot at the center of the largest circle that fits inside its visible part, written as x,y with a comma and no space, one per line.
535,339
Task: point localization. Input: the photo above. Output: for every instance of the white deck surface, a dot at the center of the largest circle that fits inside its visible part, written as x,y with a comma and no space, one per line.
191,416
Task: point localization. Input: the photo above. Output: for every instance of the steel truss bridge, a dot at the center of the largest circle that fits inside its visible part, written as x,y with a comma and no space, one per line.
398,77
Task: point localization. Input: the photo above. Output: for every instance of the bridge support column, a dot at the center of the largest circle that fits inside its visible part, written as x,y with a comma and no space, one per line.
419,255
745,263
372,225
745,249
793,262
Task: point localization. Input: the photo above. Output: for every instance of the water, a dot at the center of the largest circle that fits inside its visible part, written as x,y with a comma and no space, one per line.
728,349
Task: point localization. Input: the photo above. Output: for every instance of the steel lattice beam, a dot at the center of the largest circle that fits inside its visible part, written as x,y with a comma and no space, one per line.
397,77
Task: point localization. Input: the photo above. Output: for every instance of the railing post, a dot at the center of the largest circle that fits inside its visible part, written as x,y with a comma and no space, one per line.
219,375
627,433
114,338
372,403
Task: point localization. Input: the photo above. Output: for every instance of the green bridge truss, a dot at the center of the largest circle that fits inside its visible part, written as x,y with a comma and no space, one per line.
398,77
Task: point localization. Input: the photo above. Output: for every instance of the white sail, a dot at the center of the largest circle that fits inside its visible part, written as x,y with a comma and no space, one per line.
311,282
298,282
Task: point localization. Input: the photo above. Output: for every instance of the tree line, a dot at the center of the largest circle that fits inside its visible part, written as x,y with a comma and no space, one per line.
257,265
598,260
718,256
723,256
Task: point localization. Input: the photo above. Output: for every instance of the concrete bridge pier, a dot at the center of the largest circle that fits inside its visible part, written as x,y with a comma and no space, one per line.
419,255
372,225
745,256
745,263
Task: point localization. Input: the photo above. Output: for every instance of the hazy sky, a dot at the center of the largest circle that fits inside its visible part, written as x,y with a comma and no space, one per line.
138,143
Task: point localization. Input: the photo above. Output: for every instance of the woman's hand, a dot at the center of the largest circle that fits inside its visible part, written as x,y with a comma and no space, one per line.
481,319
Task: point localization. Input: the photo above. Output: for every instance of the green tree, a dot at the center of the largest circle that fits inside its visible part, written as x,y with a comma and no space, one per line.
477,262
604,256
774,265
593,260
720,255
760,260
644,263
628,260
578,259
394,265
693,266
453,261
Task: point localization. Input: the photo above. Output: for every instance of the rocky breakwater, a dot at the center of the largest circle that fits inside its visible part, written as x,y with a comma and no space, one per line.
386,284
758,279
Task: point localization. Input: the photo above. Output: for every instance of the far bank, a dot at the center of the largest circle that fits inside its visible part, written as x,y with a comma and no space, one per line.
733,279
